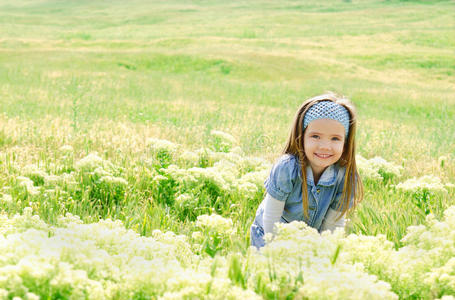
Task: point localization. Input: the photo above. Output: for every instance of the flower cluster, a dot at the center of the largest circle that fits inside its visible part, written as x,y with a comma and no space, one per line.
28,184
104,260
377,168
37,175
222,141
196,179
422,268
215,234
92,162
157,145
301,258
6,198
190,157
66,149
429,183
102,177
215,223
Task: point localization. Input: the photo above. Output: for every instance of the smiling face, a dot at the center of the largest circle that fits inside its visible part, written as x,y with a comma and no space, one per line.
323,144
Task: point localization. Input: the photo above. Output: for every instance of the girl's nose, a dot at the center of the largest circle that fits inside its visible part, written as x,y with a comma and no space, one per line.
324,145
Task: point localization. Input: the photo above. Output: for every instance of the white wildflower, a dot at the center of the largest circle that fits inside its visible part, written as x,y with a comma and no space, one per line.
35,173
183,198
197,235
220,177
7,198
382,165
28,184
237,151
190,157
424,183
247,189
32,296
158,178
215,223
179,175
114,181
158,145
223,136
68,180
425,258
90,162
375,168
51,180
66,149
257,177
311,256
100,172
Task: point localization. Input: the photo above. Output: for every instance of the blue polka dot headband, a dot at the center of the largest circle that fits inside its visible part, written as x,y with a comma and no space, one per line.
327,110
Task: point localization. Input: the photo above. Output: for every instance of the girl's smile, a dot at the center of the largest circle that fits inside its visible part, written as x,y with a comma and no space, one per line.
323,143
323,155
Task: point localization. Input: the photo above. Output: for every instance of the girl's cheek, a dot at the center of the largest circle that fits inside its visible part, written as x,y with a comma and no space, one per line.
340,147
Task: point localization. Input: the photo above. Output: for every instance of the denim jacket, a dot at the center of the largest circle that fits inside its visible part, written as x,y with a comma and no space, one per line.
285,184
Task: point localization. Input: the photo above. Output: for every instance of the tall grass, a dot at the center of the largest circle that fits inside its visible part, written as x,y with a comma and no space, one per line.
104,76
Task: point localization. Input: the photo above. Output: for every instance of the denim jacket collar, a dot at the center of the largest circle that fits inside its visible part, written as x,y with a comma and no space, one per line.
328,177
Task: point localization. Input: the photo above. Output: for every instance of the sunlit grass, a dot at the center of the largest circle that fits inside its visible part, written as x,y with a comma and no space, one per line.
105,76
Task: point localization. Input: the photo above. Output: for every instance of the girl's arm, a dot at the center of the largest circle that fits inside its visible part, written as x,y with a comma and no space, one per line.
273,209
330,221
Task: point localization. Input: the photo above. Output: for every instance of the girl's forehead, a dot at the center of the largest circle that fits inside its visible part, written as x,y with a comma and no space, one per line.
327,126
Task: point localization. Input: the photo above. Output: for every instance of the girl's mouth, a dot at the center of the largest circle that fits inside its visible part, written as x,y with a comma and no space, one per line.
323,156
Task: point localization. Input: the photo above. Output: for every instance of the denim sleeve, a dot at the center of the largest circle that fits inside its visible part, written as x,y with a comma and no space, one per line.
339,198
281,180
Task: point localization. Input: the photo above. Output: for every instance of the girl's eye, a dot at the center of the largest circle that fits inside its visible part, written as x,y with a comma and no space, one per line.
336,139
315,136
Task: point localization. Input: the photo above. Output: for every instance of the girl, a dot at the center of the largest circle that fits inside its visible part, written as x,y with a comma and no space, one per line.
316,178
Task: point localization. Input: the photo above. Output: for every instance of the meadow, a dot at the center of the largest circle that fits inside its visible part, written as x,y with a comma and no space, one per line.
135,136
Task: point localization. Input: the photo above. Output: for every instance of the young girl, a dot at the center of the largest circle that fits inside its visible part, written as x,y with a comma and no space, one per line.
316,178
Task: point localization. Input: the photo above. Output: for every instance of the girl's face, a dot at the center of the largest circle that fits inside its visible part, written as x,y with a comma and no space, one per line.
323,142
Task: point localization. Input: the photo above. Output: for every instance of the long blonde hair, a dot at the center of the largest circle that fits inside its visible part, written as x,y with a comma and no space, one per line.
295,146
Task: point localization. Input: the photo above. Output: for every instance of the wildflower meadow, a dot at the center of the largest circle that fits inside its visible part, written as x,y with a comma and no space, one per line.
135,138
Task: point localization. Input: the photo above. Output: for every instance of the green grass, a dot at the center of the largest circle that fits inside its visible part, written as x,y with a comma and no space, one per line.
182,68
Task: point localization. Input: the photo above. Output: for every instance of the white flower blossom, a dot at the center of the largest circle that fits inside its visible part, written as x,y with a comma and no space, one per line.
28,184
158,178
427,182
35,173
375,168
7,198
183,198
215,223
90,163
190,157
122,263
66,149
114,181
161,145
51,180
224,137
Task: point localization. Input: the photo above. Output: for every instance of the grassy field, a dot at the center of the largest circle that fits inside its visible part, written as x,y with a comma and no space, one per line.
106,76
